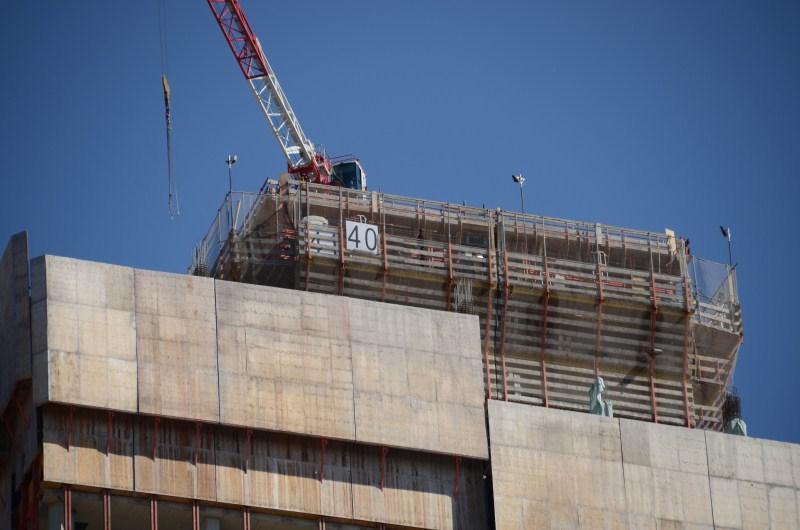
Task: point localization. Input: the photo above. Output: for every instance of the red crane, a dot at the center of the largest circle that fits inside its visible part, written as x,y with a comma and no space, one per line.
303,159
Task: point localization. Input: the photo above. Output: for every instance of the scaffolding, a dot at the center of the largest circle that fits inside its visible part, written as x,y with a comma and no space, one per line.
560,302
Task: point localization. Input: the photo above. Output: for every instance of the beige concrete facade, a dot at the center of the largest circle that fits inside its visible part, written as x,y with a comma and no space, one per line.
274,471
557,469
194,348
181,388
15,359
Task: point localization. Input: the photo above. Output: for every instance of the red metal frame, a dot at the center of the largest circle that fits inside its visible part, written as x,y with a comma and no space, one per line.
106,510
195,515
67,507
253,64
599,329
245,518
543,351
506,294
652,352
153,513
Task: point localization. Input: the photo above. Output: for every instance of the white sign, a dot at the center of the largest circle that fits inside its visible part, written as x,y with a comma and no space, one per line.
361,236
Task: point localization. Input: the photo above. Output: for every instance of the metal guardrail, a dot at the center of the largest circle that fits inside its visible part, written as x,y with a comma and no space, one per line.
712,286
232,216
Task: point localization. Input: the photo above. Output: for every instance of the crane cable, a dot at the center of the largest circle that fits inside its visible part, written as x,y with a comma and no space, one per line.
173,204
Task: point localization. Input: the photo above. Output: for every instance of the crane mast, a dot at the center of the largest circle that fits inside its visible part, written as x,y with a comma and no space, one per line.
302,158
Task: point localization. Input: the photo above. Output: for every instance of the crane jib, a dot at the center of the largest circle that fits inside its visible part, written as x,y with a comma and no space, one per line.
300,154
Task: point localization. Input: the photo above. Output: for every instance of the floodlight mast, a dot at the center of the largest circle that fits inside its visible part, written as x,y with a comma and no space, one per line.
302,158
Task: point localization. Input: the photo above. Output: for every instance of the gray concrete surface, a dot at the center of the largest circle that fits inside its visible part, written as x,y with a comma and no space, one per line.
15,348
186,347
84,333
557,469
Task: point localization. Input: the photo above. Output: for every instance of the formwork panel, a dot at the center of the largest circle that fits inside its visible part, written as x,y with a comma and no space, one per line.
285,361
753,482
176,330
174,458
555,466
85,333
442,352
350,369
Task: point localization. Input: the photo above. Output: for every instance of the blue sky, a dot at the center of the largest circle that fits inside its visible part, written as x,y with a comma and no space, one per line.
683,115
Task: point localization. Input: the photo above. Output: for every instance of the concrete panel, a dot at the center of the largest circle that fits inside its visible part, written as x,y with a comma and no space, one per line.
417,377
350,369
176,342
84,333
752,482
285,363
735,457
556,469
77,449
666,472
15,326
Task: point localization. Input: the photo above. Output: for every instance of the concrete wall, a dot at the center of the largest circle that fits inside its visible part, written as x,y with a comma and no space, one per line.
270,470
15,331
179,346
557,469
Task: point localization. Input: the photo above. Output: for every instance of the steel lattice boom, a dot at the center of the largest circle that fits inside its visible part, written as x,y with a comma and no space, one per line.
301,156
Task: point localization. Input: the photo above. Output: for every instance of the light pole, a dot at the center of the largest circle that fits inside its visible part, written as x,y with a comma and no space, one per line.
726,233
519,179
230,161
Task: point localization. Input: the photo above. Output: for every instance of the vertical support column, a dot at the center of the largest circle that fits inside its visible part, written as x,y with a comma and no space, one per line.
449,287
599,329
195,515
340,285
687,328
153,513
385,261
68,508
489,313
543,345
245,518
652,352
506,295
309,242
106,510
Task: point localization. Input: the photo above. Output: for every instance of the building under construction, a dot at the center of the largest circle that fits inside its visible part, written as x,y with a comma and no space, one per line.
560,302
341,359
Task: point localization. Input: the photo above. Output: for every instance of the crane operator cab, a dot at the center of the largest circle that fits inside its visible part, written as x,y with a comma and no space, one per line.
349,173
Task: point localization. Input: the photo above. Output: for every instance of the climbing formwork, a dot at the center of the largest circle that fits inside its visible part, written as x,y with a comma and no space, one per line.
560,302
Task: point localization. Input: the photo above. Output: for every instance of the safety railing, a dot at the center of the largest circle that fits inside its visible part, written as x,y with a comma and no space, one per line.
231,218
659,274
